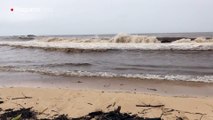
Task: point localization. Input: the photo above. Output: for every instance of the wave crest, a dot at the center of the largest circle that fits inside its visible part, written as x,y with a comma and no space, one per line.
203,40
120,38
125,38
183,41
197,40
206,78
73,40
119,42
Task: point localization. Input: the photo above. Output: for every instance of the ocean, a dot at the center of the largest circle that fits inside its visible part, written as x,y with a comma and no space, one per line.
175,57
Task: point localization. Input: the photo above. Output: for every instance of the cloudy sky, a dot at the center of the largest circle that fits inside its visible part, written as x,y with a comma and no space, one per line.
42,17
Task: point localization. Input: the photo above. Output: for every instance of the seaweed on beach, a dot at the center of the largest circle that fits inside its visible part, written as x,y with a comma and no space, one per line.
62,117
21,114
112,115
29,114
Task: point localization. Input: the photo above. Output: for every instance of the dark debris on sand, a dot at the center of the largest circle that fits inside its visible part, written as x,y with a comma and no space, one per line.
29,114
26,114
113,115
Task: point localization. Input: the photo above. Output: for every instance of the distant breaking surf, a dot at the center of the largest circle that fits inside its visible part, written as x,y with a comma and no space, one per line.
119,42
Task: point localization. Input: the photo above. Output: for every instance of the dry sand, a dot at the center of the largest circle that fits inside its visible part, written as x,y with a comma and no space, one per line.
75,103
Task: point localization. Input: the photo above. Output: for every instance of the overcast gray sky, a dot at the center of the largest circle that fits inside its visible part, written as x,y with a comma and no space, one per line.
104,16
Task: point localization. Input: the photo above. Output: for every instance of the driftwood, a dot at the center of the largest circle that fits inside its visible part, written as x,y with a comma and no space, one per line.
149,105
24,97
21,98
43,111
169,110
111,105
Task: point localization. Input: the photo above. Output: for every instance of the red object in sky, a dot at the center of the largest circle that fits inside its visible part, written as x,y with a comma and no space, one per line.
11,9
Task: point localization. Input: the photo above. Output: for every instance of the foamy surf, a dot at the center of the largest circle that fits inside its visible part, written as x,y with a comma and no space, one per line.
120,38
109,46
197,40
205,78
119,42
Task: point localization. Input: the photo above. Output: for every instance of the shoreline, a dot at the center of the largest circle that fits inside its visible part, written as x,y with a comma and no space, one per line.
161,87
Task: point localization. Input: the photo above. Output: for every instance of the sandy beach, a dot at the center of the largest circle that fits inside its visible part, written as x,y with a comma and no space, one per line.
76,103
150,101
106,60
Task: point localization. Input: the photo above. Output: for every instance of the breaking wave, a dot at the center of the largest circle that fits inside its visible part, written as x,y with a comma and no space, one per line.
120,38
197,40
125,38
119,42
206,78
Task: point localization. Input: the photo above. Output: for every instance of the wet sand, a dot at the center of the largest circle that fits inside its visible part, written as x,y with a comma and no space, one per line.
162,87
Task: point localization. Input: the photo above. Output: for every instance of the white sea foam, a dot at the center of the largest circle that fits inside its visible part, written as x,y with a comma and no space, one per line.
121,41
120,38
203,40
125,38
197,40
183,41
115,46
206,78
